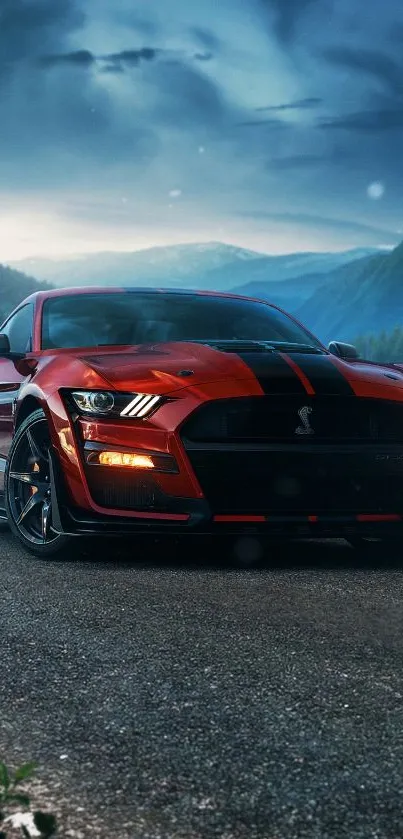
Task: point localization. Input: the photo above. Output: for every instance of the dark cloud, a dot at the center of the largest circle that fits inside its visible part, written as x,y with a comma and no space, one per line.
373,122
113,69
79,58
27,28
189,98
382,67
300,104
287,14
206,38
203,56
132,58
116,62
72,130
131,20
264,123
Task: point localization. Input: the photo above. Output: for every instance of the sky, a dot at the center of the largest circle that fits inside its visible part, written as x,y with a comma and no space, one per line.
275,125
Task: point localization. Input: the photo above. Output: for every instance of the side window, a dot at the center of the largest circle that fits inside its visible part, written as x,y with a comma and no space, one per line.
19,329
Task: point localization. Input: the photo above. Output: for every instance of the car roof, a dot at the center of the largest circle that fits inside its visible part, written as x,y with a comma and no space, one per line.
65,292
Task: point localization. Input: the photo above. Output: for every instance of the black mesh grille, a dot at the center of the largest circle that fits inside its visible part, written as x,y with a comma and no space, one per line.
273,419
298,482
123,490
248,458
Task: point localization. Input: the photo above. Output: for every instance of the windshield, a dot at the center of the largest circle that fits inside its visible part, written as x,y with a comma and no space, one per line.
135,318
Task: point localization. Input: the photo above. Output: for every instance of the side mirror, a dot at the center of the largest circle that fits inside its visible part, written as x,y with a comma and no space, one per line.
5,348
346,351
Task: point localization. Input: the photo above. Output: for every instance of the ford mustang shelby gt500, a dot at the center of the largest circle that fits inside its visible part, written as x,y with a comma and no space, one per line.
136,411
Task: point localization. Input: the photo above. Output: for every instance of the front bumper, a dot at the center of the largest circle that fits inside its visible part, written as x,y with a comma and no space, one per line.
192,516
287,490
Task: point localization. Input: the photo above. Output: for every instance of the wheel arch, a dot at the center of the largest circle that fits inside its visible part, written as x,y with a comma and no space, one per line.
28,406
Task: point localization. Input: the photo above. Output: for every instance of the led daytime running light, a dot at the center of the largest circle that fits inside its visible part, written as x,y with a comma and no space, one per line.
141,405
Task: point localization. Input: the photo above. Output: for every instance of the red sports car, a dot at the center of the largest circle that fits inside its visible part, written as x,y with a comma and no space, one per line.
128,411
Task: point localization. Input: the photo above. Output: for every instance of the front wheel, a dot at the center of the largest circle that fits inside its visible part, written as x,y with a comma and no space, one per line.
27,489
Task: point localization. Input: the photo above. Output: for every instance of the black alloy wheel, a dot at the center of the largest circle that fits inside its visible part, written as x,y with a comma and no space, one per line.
27,489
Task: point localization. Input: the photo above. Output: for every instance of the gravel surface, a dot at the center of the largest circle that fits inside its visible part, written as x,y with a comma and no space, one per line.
168,698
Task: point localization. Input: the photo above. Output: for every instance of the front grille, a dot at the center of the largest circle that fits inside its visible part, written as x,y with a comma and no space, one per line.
272,419
297,481
248,458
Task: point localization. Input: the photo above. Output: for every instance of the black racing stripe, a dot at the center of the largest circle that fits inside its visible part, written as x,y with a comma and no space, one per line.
273,373
324,376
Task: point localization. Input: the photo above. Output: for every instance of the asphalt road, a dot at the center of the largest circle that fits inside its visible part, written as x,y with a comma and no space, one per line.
168,698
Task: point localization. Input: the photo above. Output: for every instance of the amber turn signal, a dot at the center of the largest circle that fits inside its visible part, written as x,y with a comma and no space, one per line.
133,461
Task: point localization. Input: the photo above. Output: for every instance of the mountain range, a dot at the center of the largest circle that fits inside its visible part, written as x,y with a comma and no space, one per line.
212,265
365,296
337,295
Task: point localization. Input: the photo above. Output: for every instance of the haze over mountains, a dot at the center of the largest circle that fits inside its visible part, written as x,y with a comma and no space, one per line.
337,295
211,265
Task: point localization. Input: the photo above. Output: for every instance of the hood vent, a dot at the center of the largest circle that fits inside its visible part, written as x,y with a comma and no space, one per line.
239,346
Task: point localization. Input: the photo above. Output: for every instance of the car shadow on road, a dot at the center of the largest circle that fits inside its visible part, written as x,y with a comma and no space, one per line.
235,555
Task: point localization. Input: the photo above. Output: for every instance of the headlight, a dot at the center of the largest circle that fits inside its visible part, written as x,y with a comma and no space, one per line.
103,403
94,402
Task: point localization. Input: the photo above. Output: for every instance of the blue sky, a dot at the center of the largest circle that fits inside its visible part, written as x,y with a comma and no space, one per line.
272,124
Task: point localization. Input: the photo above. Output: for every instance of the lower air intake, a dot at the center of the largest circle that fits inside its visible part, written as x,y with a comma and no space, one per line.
123,491
280,482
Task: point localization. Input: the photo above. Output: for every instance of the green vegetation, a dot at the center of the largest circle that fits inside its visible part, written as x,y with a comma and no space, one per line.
14,287
29,823
384,347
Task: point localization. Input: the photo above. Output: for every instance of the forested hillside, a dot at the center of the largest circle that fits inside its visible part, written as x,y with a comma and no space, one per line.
14,286
384,346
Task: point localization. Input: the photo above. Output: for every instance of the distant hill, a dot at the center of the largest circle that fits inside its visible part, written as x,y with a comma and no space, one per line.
289,294
176,266
212,265
291,291
14,287
363,297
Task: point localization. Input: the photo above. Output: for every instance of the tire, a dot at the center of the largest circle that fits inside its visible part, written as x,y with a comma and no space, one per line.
27,489
4,525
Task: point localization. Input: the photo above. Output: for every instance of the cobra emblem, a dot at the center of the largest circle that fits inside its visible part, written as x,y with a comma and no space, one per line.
305,427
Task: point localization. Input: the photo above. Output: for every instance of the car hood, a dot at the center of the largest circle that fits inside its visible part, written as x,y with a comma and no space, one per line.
165,368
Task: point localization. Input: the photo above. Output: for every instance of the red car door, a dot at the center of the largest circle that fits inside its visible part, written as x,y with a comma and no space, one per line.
19,329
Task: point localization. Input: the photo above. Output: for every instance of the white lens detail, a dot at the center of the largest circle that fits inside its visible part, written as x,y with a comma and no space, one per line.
148,407
141,405
126,411
94,402
102,402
